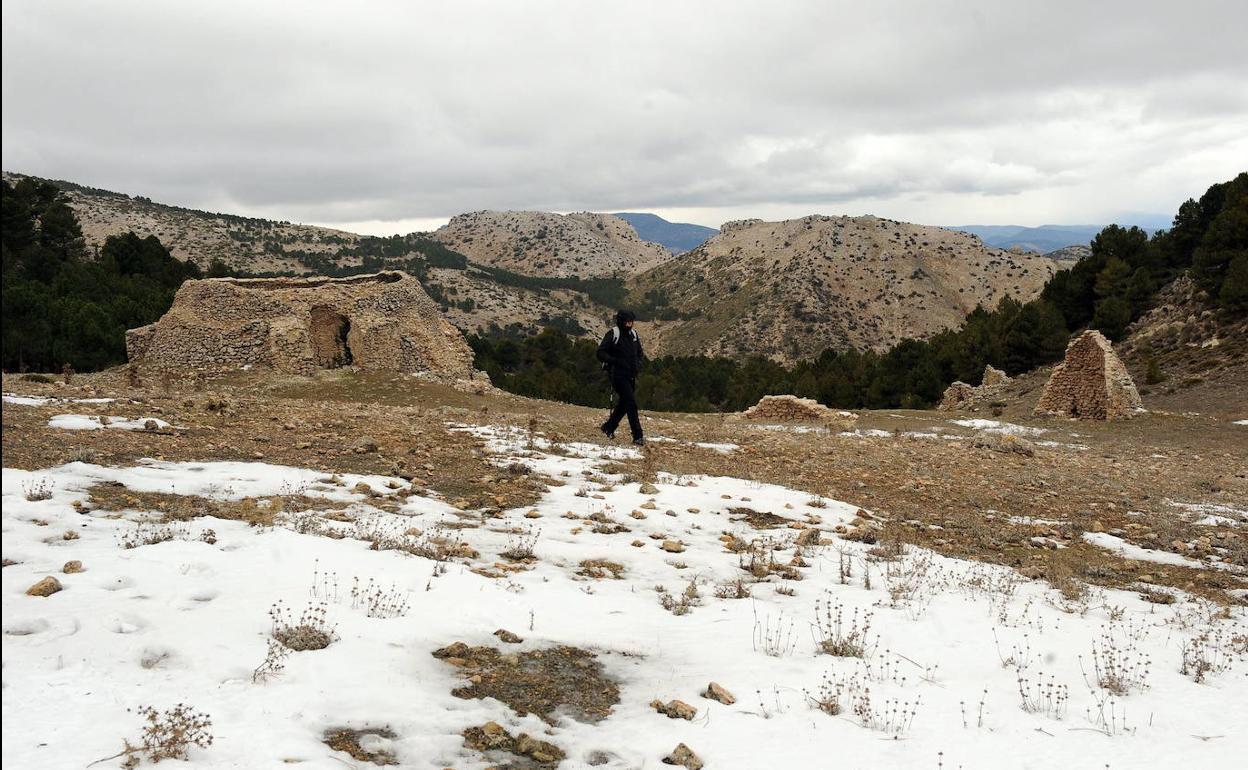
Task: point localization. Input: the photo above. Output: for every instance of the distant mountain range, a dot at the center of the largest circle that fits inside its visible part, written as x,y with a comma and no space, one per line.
1042,239
679,237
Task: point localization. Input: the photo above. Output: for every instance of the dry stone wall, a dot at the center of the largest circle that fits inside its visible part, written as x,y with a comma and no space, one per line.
382,321
960,395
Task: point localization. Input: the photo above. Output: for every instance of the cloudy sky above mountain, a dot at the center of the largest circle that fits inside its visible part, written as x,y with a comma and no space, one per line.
387,117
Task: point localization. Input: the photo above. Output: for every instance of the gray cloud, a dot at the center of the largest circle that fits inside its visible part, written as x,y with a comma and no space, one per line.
932,110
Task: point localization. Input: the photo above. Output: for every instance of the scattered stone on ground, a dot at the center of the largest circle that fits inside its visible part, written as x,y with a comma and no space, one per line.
72,567
674,709
1091,383
683,755
717,692
46,587
508,636
492,736
1007,443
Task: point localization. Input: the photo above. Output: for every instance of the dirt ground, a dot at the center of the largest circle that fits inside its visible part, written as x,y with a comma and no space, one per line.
920,478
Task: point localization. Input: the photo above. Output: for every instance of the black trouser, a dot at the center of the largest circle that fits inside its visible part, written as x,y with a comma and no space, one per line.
624,387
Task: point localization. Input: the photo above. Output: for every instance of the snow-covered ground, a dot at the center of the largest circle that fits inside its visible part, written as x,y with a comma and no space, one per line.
954,650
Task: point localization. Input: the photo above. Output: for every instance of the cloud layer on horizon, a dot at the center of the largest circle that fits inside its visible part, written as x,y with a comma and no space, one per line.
936,112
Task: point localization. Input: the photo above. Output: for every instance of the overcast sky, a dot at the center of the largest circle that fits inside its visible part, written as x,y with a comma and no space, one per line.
388,117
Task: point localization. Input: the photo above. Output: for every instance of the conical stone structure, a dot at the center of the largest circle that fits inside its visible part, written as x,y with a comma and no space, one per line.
1091,383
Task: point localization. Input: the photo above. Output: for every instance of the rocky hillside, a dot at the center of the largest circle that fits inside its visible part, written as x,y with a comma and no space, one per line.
1185,355
543,244
242,243
791,289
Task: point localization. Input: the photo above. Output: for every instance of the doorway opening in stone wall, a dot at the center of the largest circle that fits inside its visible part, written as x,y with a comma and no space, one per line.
328,330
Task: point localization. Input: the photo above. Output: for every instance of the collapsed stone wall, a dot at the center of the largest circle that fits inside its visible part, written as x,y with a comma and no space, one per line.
783,409
1091,383
382,321
960,395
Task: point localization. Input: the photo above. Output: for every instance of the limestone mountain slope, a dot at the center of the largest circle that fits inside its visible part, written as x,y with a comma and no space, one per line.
544,244
791,289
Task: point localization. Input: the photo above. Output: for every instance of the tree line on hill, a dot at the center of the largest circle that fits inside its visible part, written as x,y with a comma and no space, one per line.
62,305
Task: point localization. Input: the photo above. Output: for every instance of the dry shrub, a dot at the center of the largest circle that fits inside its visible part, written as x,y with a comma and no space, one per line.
835,635
682,605
166,735
311,632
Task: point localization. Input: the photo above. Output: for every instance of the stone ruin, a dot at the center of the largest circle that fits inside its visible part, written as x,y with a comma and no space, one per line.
381,321
784,409
1091,383
960,395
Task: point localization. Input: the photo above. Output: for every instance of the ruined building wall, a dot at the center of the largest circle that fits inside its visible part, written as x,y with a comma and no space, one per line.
383,321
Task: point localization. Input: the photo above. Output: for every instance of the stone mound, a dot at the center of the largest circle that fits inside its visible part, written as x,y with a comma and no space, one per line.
1091,383
793,409
381,321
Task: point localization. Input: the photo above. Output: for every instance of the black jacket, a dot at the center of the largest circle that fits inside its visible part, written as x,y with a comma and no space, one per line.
623,357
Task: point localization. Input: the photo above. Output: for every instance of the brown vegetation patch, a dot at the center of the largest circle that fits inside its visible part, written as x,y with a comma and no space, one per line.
537,682
759,519
258,512
348,740
601,568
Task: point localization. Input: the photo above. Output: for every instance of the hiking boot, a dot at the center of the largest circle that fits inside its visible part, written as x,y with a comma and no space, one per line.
639,441
606,431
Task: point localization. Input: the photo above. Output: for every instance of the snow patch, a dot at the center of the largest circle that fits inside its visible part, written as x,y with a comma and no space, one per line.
992,426
87,422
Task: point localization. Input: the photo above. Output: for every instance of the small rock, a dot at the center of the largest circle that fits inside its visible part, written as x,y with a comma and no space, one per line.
46,587
673,546
716,692
362,489
650,505
683,755
453,650
649,489
808,537
674,709
507,636
638,543
364,445
70,534
151,425
71,567
538,750
533,514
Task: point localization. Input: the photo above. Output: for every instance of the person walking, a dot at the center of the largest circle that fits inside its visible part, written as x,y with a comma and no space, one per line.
621,355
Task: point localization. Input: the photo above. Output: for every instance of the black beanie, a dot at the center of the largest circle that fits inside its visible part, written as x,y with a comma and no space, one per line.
624,316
